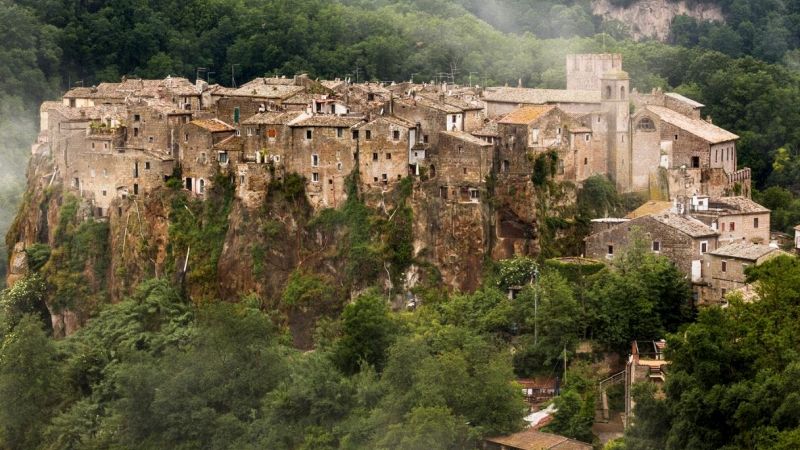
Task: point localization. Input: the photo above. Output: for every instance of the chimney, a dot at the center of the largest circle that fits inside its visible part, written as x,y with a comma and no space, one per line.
709,120
519,83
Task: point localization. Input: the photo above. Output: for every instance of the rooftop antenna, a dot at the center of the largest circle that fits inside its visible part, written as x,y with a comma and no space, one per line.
198,70
357,70
233,74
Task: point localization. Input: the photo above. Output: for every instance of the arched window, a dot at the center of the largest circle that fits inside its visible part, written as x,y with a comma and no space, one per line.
201,186
608,92
433,171
646,124
622,92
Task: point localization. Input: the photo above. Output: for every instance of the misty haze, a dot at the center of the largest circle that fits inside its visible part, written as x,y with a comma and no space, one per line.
400,224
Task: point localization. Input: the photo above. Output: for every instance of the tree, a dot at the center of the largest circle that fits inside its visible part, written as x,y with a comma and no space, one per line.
30,384
368,331
574,416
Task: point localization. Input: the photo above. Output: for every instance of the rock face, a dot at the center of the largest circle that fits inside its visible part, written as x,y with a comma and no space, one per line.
653,18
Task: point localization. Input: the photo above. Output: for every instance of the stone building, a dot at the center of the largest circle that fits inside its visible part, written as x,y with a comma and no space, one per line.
724,268
433,116
737,219
459,166
585,71
385,144
533,130
325,150
682,239
200,161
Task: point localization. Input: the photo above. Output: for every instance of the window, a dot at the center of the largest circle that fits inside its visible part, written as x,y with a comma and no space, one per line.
105,145
389,156
272,133
223,158
186,137
608,92
732,227
588,137
339,132
308,134
339,166
695,162
474,194
202,186
755,222
396,135
703,247
622,92
465,170
384,177
315,177
249,131
314,160
585,161
370,97
147,165
330,180
135,132
92,144
656,246
646,124
374,156
104,193
424,138
561,167
368,135
355,134
136,118
150,139
723,226
135,189
505,166
724,266
610,249
676,137
236,115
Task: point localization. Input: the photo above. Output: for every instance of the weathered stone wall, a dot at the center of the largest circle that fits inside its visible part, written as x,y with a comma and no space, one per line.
383,159
336,158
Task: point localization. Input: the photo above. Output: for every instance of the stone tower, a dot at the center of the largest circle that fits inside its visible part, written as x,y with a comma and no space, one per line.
584,72
615,104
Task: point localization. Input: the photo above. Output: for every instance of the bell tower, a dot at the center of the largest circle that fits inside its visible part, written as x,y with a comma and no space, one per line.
615,104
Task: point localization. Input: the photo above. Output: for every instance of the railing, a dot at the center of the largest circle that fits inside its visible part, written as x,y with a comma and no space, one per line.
740,175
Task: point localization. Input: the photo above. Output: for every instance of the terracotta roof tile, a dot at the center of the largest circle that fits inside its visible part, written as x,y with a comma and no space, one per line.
744,250
700,128
212,125
526,115
539,96
273,118
329,121
531,439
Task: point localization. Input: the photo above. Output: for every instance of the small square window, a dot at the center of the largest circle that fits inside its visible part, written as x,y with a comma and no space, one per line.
656,246
136,118
396,135
330,180
150,139
610,249
308,134
272,133
355,134
389,156
315,177
147,165
425,138
339,132
104,193
374,156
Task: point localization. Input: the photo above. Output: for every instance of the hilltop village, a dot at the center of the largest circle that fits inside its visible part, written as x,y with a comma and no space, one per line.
118,141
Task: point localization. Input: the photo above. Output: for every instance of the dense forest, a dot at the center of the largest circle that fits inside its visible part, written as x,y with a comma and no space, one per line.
156,371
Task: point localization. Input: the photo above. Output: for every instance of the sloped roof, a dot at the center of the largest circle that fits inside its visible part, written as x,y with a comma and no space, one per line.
686,100
737,205
329,121
531,439
466,137
301,98
744,250
685,224
651,207
436,104
526,115
276,81
700,128
451,100
230,143
488,129
273,118
539,96
393,120
212,125
275,91
331,84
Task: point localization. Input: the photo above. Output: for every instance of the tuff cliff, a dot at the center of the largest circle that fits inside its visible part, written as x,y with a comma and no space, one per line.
401,240
653,18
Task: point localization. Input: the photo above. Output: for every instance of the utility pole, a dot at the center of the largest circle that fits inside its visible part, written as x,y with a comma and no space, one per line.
357,70
535,307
